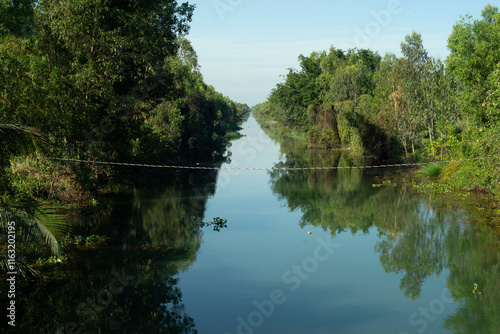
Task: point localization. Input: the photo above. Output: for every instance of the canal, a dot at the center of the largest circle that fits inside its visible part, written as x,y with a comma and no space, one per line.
304,251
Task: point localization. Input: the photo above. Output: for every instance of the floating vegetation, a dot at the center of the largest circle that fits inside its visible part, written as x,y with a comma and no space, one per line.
385,183
217,223
90,241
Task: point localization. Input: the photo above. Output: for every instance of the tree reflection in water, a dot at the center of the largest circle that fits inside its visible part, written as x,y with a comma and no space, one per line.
417,239
153,239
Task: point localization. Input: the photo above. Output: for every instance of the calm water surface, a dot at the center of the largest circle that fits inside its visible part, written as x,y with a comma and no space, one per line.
379,259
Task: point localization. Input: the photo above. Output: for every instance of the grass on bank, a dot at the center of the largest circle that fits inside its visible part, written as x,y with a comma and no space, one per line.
432,170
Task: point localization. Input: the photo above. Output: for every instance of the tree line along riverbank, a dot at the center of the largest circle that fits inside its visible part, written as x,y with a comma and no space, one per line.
408,108
102,81
113,81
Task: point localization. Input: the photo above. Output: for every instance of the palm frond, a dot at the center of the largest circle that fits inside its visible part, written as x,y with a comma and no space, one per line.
21,268
35,225
21,139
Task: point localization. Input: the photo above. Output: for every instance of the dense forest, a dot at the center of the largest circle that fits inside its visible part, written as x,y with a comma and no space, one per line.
104,80
408,108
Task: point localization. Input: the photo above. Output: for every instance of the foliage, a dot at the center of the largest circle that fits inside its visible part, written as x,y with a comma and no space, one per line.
418,240
326,131
432,170
473,60
413,107
20,139
16,17
35,224
24,269
45,180
29,223
98,80
109,80
16,139
35,228
217,223
78,240
377,99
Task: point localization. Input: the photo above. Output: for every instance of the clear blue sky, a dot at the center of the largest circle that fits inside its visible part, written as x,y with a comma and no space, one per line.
244,46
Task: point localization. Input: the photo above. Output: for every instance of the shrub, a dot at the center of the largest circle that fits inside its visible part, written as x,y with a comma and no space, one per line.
45,180
432,170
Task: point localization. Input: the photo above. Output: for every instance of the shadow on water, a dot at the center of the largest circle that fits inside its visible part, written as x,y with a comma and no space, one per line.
130,284
416,239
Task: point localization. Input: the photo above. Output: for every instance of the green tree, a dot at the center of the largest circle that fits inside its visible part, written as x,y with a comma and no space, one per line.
16,17
412,74
289,100
96,57
493,96
419,91
442,112
473,59
350,83
19,139
401,116
335,59
413,50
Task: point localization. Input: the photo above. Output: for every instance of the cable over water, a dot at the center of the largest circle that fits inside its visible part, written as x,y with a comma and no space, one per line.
197,167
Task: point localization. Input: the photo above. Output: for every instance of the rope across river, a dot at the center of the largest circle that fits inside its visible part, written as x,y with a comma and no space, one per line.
198,167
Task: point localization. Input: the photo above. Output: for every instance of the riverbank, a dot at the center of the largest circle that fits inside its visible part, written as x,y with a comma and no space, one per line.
483,207
386,239
45,198
408,108
448,186
71,185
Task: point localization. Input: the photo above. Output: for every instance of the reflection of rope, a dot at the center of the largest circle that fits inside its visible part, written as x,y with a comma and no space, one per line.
256,169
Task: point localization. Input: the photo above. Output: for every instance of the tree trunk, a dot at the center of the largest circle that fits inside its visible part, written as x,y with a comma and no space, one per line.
441,146
431,140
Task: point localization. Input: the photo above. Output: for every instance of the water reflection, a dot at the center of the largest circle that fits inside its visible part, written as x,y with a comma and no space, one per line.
133,285
117,292
417,240
129,286
157,213
473,256
413,245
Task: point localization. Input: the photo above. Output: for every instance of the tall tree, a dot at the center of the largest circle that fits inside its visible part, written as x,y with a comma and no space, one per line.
415,74
99,52
473,59
413,49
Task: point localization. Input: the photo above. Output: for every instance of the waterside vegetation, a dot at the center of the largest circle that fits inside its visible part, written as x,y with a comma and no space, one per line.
113,81
408,108
104,81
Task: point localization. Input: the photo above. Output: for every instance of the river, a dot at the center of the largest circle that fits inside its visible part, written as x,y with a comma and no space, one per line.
379,259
